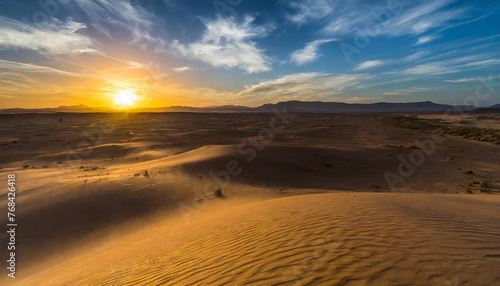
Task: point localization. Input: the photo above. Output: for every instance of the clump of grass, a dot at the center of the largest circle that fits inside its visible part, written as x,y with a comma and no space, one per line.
218,193
90,169
468,190
474,183
485,185
485,190
413,122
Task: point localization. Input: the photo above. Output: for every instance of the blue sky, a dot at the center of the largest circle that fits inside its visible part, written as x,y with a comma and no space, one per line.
246,52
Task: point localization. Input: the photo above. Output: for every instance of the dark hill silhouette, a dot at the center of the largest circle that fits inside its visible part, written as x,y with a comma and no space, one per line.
318,106
292,106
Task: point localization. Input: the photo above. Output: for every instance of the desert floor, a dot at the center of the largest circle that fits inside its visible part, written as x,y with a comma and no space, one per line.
129,199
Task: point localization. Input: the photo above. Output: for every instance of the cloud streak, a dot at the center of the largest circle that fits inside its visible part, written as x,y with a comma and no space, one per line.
24,67
425,39
116,17
471,79
409,18
309,10
309,53
369,64
454,65
409,90
414,56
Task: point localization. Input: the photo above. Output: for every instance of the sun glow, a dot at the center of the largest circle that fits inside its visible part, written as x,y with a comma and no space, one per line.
125,98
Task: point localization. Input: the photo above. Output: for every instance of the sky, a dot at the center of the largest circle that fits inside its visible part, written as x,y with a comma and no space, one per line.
245,52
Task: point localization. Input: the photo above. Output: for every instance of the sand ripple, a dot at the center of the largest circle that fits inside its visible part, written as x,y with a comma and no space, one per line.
326,239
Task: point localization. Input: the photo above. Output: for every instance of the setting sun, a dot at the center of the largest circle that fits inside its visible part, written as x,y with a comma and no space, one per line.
125,98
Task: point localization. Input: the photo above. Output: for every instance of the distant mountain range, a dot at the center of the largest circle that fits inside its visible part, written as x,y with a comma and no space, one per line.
292,106
318,106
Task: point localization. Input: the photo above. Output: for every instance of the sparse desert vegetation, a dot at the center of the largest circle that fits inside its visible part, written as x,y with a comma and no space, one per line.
436,123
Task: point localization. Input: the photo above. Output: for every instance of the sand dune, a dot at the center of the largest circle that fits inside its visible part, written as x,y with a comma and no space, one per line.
86,204
116,216
325,239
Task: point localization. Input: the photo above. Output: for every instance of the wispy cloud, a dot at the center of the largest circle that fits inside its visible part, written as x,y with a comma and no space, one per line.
309,10
181,69
431,68
470,79
414,56
25,67
425,39
453,65
483,63
409,90
461,80
117,17
309,53
52,37
227,43
114,19
304,86
348,18
369,64
13,81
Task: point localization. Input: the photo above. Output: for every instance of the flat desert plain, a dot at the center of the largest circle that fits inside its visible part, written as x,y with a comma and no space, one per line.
250,199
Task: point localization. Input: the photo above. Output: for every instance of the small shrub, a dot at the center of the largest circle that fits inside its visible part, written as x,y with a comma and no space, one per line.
218,193
485,190
485,185
90,169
